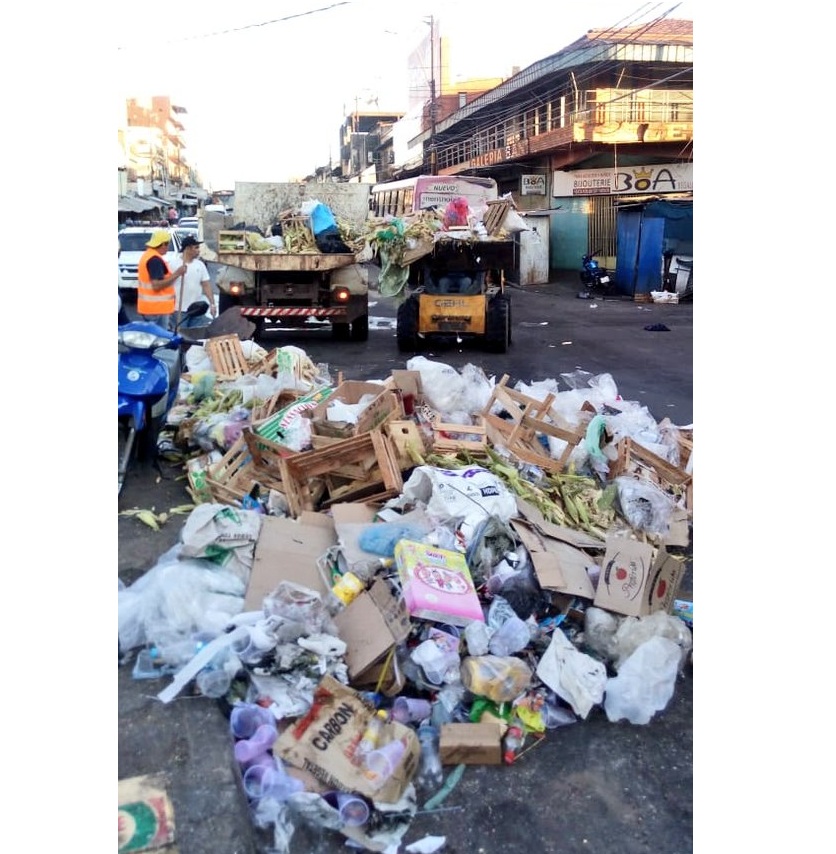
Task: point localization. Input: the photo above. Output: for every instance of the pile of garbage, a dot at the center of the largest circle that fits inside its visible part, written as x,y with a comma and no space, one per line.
368,644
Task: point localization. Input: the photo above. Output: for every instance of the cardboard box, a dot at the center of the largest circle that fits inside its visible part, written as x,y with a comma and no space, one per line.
373,415
558,566
323,742
371,626
635,584
436,584
287,550
471,744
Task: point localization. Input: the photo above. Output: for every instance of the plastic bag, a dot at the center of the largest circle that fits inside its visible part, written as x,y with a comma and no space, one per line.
381,538
634,631
645,507
455,214
499,678
645,682
574,676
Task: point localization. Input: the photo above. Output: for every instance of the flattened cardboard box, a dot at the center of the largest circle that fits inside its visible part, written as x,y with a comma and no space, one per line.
633,583
323,743
370,626
558,565
287,550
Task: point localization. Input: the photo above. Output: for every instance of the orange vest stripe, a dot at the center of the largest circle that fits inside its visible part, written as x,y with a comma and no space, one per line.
149,301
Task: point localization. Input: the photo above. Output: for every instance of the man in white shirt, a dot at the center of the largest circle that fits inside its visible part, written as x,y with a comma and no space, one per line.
195,284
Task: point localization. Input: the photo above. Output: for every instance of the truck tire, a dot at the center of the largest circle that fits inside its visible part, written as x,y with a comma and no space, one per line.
360,329
498,324
407,325
340,331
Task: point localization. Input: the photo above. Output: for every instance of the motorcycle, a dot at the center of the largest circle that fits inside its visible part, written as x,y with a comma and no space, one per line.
593,276
151,361
150,364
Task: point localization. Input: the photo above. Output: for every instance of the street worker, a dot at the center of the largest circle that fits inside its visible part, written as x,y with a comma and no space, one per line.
195,282
155,300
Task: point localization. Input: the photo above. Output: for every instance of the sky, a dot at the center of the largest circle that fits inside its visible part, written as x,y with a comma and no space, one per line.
266,85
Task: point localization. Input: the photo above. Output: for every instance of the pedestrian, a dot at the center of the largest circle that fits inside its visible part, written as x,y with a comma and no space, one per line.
173,216
155,300
195,282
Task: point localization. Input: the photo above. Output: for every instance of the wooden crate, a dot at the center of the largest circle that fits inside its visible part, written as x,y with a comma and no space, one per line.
528,418
406,434
495,215
233,476
370,457
232,241
476,440
275,402
635,459
227,357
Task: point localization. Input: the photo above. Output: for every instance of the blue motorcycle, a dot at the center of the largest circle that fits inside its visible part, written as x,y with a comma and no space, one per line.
150,364
593,276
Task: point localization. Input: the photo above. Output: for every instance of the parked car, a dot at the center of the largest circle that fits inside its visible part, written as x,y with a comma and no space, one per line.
188,222
132,242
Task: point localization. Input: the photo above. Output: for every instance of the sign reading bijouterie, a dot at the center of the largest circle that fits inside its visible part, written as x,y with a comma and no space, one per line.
658,178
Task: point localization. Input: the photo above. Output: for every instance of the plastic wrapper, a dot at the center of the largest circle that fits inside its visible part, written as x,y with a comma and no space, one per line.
381,538
298,609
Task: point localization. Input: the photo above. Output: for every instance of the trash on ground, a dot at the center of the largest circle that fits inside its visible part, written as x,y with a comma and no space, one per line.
385,583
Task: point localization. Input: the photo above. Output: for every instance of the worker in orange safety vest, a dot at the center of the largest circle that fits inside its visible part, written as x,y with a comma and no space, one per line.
155,300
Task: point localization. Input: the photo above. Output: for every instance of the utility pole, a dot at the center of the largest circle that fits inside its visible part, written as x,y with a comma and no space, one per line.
433,164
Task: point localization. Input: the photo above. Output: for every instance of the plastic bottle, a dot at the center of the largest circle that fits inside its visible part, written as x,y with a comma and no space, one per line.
371,735
430,774
512,742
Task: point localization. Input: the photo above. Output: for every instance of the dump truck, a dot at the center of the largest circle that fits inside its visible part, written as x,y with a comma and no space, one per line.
298,284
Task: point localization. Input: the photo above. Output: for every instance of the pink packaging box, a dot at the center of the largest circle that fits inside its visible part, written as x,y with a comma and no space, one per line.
436,584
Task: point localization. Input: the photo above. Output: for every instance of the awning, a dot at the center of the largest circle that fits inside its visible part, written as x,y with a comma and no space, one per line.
133,204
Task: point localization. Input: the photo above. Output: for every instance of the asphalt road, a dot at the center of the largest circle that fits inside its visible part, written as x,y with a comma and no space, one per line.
594,786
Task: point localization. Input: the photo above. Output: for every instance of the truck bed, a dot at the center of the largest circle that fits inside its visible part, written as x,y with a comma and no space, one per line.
266,262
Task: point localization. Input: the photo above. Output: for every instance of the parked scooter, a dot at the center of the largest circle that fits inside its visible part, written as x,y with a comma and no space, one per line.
151,361
593,276
150,364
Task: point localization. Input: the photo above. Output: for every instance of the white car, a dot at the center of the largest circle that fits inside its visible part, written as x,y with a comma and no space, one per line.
132,242
188,222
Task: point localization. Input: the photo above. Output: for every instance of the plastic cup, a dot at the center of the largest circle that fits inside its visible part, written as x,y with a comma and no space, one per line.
382,762
213,683
254,781
407,710
266,759
262,740
353,810
276,783
246,718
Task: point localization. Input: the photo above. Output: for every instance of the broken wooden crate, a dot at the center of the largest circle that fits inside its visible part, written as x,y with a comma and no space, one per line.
528,418
250,461
637,460
364,467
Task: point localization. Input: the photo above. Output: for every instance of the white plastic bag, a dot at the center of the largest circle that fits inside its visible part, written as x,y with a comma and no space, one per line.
458,498
573,675
645,682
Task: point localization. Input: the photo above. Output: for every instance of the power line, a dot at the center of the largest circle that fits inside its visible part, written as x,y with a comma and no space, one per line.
259,24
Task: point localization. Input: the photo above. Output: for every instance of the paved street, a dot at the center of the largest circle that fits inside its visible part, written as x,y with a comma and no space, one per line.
594,787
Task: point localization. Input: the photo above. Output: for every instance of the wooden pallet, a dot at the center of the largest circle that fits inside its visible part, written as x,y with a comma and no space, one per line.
361,468
227,357
233,476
